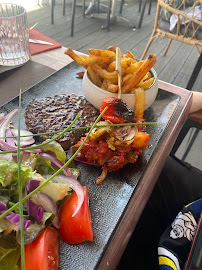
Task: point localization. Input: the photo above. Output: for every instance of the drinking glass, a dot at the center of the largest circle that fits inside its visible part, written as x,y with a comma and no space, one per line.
14,35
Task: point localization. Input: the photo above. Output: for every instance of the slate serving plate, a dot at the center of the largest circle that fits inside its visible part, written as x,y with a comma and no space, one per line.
108,201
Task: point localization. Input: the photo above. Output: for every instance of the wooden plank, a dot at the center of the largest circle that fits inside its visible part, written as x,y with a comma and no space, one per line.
181,79
170,71
191,62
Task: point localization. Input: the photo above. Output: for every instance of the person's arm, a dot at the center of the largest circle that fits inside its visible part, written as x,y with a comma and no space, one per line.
196,102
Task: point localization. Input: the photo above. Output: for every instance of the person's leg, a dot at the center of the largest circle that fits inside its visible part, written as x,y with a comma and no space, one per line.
178,185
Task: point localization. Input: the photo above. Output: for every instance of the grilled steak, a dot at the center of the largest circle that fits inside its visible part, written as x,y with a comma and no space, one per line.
56,113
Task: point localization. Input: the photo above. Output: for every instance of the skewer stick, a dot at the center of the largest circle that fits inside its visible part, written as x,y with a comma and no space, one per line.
118,69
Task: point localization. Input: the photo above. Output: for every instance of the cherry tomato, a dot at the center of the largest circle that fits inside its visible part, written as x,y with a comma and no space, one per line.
117,111
42,253
75,230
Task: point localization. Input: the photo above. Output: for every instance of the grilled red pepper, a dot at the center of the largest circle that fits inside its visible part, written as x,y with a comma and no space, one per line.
117,111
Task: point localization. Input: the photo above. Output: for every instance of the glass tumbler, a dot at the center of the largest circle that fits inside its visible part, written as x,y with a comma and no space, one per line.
14,35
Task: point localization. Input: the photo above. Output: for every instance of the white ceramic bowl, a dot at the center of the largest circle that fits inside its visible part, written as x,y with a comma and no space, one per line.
95,94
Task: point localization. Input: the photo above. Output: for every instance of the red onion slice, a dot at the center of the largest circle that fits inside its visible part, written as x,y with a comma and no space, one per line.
23,132
8,157
74,184
34,210
68,179
82,160
10,141
48,204
57,163
5,123
14,218
26,142
7,147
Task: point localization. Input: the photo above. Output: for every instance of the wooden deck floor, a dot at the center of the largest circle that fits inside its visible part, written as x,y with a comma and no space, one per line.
176,67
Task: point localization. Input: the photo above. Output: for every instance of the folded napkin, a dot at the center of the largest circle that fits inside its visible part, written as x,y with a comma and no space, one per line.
194,13
38,48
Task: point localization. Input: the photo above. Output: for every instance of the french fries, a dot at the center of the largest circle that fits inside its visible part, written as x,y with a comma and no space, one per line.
147,83
80,74
139,102
76,57
112,48
140,73
101,67
102,53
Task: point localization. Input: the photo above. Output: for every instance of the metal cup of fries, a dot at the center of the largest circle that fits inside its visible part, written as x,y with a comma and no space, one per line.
139,85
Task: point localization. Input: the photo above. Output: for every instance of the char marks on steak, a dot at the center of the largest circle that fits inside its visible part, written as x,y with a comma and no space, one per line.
56,113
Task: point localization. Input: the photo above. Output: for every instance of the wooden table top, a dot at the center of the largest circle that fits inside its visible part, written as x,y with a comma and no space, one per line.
43,65
31,73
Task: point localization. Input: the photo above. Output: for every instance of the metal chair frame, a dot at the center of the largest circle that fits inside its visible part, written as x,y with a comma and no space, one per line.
141,9
63,12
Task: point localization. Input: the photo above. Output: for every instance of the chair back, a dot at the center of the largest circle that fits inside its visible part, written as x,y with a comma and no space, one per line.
179,20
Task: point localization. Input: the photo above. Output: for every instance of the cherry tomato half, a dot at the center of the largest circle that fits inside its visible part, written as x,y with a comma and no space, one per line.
42,253
75,230
117,111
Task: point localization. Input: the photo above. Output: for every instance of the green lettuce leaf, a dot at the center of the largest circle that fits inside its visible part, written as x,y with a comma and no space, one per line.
43,166
46,216
28,160
26,174
9,172
76,172
9,253
55,148
7,169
